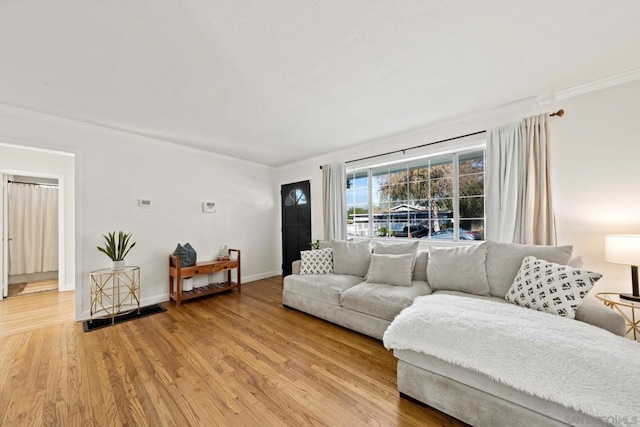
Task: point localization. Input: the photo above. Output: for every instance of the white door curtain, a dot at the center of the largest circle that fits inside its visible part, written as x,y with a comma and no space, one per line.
33,228
334,181
519,203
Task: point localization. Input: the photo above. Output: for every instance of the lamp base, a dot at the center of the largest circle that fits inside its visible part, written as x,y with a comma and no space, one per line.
630,297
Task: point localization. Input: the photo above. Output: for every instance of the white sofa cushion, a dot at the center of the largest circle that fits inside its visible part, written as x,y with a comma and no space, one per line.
504,260
420,266
550,287
349,257
460,268
324,288
383,301
390,269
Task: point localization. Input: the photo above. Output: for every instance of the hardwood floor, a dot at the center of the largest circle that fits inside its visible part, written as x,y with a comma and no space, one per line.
228,360
25,313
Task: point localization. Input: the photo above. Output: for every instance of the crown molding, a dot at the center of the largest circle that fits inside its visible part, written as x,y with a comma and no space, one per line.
534,104
111,131
615,80
479,118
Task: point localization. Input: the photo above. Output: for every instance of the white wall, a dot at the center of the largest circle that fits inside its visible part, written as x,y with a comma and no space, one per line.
114,170
595,155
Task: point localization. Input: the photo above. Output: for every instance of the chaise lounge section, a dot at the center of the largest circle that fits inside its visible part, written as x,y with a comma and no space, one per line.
352,298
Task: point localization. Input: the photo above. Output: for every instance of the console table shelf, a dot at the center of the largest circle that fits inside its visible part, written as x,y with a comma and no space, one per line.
177,273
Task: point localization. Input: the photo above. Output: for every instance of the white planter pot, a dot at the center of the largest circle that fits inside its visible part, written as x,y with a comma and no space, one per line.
117,265
187,284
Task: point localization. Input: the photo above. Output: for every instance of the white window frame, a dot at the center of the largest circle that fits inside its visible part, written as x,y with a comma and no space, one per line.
455,152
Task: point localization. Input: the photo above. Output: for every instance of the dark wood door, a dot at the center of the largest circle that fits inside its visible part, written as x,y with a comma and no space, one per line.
296,222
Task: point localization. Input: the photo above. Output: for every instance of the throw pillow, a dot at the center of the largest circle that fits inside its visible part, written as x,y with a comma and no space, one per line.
390,269
398,249
318,261
350,257
460,268
504,260
550,287
187,255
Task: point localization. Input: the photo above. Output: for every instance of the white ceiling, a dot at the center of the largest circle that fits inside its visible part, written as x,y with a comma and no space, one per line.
276,81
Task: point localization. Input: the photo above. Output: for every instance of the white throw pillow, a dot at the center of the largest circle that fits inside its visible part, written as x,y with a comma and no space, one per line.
550,287
460,268
350,257
390,269
318,261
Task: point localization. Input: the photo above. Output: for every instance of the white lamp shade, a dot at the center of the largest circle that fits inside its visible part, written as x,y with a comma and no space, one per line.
622,249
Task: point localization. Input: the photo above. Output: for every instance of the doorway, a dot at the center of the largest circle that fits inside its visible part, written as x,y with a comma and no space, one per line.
32,235
296,222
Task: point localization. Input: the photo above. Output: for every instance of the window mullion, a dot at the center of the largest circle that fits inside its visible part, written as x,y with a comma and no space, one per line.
370,207
456,197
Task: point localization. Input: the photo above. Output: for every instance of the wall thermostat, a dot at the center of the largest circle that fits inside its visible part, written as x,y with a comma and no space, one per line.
144,203
208,207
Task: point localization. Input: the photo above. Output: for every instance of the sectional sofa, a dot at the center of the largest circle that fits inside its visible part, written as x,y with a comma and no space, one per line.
371,283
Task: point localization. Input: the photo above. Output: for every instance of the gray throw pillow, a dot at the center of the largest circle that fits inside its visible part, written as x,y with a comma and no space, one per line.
390,269
187,255
504,261
397,249
460,268
349,257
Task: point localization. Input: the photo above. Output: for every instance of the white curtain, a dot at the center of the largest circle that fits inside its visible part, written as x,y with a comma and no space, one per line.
33,228
503,175
538,224
334,182
519,206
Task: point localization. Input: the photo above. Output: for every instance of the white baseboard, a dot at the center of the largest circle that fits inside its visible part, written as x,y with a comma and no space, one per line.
260,276
66,287
165,297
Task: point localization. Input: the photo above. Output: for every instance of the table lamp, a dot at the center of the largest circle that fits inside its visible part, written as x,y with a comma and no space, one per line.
625,249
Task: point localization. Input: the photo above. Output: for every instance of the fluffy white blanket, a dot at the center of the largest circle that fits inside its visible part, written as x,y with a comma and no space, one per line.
562,360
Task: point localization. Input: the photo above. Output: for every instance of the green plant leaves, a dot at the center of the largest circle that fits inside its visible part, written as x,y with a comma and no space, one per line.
116,250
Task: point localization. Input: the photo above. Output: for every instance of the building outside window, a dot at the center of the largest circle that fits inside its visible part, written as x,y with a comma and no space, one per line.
439,197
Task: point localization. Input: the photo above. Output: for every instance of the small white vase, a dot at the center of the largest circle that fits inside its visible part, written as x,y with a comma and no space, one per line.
117,265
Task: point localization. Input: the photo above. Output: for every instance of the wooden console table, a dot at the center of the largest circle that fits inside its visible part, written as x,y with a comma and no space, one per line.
177,273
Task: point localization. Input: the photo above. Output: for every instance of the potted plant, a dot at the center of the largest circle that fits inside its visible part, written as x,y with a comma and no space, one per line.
117,250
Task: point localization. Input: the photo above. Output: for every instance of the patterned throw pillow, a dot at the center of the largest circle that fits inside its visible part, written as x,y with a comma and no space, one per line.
318,261
550,287
188,256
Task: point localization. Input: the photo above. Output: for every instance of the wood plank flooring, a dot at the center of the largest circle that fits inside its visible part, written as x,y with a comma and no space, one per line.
227,360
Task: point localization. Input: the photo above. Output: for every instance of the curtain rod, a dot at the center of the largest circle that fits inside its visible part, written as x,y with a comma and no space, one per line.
33,183
558,113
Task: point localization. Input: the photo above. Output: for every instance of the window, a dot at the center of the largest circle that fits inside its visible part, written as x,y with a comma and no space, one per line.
295,197
439,197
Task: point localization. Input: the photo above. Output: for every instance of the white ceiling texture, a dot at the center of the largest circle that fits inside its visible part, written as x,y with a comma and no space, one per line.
276,81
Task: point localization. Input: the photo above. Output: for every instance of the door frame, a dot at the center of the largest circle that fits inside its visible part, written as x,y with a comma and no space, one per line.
4,251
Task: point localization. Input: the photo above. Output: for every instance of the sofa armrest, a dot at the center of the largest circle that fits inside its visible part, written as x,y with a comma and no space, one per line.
295,267
596,313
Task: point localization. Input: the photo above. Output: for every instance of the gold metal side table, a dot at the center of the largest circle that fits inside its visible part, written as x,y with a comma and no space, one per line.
115,292
613,300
